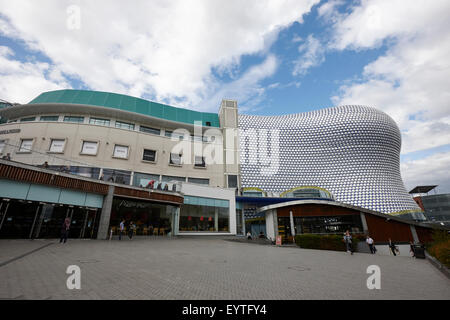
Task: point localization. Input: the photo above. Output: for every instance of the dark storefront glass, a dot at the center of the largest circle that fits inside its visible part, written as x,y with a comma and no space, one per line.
26,219
117,176
328,224
204,218
150,218
17,221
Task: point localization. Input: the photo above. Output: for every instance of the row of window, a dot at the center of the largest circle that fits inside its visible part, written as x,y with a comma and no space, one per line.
120,151
117,124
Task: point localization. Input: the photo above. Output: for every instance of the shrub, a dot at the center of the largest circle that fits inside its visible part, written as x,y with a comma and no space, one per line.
440,248
332,242
441,251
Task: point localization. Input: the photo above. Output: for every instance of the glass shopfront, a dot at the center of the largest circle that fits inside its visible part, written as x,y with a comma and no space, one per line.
150,218
321,225
21,219
199,218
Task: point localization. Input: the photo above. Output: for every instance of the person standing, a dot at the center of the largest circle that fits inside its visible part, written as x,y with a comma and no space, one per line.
65,230
392,247
369,241
348,242
131,228
121,228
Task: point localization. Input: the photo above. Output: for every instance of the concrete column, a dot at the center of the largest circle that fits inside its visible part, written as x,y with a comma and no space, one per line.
243,221
216,219
291,217
364,222
414,233
103,228
275,222
176,221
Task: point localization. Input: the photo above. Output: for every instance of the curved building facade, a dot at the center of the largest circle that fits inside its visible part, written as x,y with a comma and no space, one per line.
353,152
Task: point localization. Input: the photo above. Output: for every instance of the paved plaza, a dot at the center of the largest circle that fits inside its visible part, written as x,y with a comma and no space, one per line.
206,268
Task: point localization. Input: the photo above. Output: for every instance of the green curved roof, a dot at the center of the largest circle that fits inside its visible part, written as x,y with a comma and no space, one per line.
127,103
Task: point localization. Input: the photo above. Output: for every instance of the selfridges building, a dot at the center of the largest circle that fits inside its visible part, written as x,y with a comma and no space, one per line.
351,153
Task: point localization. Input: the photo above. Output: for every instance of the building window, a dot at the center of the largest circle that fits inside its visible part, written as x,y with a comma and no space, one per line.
29,119
149,155
73,119
175,159
26,145
171,134
124,125
205,216
99,122
57,145
49,118
150,130
232,181
200,162
208,124
198,181
2,145
120,152
89,148
173,178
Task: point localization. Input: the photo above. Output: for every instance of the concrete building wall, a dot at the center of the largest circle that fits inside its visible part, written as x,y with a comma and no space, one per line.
107,137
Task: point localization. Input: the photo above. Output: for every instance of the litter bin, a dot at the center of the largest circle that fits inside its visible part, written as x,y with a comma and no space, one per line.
419,251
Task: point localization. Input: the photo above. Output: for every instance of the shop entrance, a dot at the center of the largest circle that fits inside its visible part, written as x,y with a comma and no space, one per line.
150,218
33,220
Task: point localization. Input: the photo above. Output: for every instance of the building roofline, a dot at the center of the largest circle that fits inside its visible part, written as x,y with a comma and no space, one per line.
348,206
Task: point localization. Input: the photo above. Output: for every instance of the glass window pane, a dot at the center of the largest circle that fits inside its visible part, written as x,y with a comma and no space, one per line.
150,130
232,181
73,119
100,122
49,118
26,145
149,155
124,125
29,119
120,152
175,159
200,162
57,145
89,148
198,181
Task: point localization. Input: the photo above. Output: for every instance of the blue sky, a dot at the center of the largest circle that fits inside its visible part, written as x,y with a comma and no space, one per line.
274,57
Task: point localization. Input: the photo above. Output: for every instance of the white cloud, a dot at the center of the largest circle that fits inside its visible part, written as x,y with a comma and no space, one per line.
247,89
312,55
432,170
29,79
162,49
410,82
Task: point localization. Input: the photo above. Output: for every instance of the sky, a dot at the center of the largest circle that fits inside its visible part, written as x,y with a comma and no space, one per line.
274,57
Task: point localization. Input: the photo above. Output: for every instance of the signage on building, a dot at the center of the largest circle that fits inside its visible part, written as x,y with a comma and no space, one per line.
10,131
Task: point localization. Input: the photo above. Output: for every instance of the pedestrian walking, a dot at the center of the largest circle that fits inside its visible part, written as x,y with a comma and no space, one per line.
131,229
348,242
65,230
121,228
412,251
392,247
369,242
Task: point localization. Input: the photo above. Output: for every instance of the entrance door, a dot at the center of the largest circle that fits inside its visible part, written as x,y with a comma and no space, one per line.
50,221
18,219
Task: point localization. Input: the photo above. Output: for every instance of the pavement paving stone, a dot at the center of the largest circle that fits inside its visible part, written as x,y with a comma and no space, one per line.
195,268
